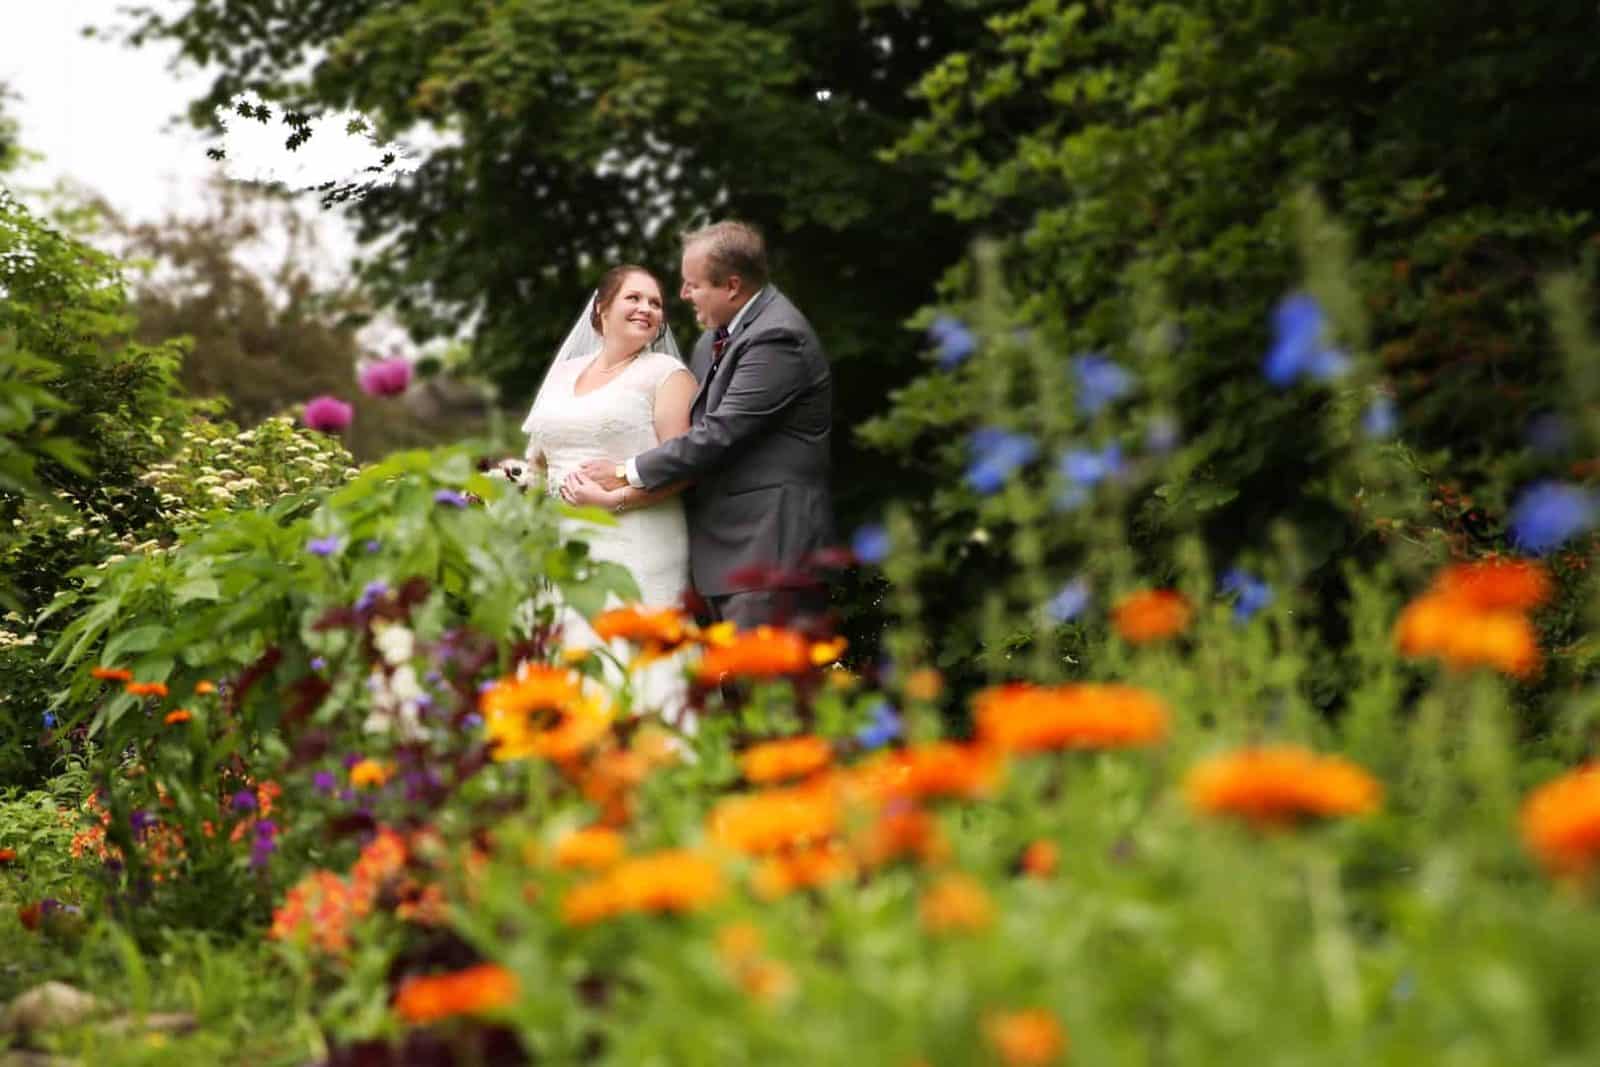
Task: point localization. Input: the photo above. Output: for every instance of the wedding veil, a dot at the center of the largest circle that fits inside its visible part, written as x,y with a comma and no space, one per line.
584,340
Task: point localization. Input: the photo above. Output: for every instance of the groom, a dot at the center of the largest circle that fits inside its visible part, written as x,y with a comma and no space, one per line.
757,449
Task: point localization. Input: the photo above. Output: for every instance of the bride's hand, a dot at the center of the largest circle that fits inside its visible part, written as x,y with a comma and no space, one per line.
578,488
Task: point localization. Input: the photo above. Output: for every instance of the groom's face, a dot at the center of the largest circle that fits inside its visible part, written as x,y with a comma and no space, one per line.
714,304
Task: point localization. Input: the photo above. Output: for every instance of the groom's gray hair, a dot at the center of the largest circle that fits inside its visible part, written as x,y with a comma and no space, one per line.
732,248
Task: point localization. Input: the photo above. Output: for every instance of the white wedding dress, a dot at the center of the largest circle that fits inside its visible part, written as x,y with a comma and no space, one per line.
614,421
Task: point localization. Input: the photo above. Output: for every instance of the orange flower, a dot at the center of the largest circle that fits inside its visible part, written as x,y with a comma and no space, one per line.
31,915
319,910
1151,615
542,711
1275,786
775,819
111,674
765,652
826,652
766,980
532,689
1561,822
8,855
595,848
1027,718
1041,859
368,774
912,832
204,688
939,769
145,689
486,987
956,903
1443,627
1026,1038
671,881
176,716
1496,584
381,860
739,943
655,632
779,761
803,868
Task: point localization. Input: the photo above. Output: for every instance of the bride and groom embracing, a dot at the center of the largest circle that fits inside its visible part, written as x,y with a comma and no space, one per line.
715,471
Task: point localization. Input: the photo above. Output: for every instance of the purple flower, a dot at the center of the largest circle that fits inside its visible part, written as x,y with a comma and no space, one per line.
266,828
1549,514
386,377
1299,347
884,727
324,546
318,663
870,544
955,342
1252,593
373,547
352,759
374,591
996,454
451,497
261,850
243,800
1101,382
323,781
1070,600
140,821
328,414
472,720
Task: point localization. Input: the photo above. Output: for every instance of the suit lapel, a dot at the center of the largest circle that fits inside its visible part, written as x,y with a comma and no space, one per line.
735,344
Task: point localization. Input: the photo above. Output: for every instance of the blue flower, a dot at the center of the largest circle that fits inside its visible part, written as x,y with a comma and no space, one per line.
472,720
1298,346
1549,514
324,546
870,543
50,720
884,727
1100,382
1085,468
1070,600
374,592
451,497
318,663
1380,420
996,453
954,340
373,547
1253,593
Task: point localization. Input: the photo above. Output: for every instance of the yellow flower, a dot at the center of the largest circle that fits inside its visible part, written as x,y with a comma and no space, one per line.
368,774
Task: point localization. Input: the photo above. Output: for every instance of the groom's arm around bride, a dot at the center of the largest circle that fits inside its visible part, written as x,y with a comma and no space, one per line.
758,446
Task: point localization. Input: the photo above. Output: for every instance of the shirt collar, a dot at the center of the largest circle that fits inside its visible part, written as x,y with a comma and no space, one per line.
746,306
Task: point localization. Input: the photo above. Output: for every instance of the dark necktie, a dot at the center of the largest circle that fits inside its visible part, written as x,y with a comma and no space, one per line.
719,342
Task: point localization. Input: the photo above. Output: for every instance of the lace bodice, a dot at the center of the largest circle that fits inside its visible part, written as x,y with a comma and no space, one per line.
611,421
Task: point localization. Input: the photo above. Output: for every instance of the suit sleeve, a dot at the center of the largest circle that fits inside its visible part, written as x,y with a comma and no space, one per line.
767,378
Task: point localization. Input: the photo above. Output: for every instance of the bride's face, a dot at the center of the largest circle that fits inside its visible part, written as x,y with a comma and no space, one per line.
635,313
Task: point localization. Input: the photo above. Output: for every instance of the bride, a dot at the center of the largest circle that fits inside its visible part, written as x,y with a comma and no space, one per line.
617,388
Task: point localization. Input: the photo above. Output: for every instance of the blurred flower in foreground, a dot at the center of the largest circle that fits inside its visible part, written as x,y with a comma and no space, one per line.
328,414
1085,715
672,881
1276,786
1150,615
1083,469
1549,514
956,903
996,453
1070,600
592,849
1100,382
785,759
1561,823
324,546
1252,593
452,497
1475,615
428,998
870,544
386,377
1026,1038
373,592
1381,420
1299,345
884,727
955,342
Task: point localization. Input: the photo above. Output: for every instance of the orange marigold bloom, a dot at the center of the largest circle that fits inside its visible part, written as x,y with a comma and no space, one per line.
775,819
8,855
1496,584
427,999
956,902
1026,1038
543,712
1041,859
1561,822
177,715
655,632
803,868
672,881
1151,615
1447,628
939,769
111,674
1275,786
368,774
530,690
1028,718
204,688
912,832
594,848
145,689
780,761
826,652
765,652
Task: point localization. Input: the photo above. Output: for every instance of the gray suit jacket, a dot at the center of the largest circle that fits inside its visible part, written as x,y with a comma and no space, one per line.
757,449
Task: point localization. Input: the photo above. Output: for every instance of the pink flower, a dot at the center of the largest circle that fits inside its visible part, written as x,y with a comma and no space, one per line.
387,377
328,414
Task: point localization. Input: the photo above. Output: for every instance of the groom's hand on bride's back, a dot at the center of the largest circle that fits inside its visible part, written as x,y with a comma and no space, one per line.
604,472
